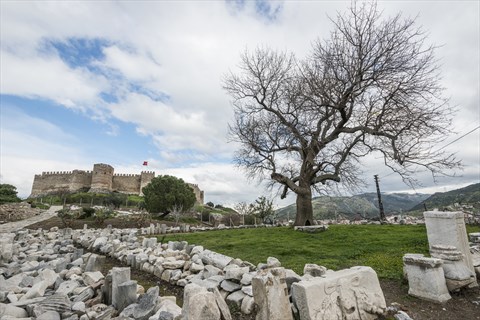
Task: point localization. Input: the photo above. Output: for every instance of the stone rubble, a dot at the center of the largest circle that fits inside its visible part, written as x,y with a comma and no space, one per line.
43,274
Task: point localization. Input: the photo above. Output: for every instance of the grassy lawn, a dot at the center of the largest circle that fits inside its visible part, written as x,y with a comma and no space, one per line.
341,246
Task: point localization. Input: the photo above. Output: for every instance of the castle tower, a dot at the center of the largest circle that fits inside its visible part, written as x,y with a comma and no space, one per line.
198,193
145,178
102,178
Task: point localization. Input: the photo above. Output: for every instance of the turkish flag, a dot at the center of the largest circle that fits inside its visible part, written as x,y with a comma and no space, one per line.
145,163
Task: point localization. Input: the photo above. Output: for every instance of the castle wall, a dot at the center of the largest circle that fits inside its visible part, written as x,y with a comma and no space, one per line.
81,180
60,181
146,177
126,183
198,193
101,179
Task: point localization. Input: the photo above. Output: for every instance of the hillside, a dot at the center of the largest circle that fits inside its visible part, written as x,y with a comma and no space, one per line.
365,204
394,202
469,195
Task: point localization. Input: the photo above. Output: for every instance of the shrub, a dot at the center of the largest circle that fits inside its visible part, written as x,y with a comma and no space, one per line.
103,214
86,213
67,216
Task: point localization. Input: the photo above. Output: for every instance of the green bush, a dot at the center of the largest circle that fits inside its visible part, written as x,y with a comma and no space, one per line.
8,193
103,214
164,193
67,216
86,213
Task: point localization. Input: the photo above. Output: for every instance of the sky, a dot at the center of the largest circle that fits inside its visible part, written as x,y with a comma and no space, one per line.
123,82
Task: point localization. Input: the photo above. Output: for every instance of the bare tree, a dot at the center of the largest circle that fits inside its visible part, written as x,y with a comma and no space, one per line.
372,87
244,209
176,211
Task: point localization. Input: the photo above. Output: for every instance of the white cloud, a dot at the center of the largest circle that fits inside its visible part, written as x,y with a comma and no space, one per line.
48,77
171,129
133,65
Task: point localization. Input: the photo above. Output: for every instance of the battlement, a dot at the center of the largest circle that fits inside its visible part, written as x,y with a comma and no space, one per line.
101,179
53,173
126,175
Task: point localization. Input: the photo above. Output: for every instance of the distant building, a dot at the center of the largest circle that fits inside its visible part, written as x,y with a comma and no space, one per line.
101,179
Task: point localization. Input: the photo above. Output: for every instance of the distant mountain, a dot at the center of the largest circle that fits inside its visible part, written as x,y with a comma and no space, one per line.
365,205
395,202
469,195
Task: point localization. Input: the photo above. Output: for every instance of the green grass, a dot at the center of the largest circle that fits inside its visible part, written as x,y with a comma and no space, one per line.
341,246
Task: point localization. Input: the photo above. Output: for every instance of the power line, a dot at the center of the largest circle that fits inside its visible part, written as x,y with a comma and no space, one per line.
466,134
451,142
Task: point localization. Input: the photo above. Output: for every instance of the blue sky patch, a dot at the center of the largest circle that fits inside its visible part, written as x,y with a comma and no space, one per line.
80,52
268,9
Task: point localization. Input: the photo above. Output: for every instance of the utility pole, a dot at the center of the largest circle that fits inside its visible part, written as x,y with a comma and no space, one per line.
380,204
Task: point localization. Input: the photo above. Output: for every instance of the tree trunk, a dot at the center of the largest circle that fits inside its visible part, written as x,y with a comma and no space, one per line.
304,209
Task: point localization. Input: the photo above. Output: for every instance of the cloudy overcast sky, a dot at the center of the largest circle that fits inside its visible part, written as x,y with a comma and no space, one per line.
86,82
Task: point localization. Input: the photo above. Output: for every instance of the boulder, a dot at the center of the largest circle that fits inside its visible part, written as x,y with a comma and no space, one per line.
216,259
12,311
230,286
198,303
89,278
167,310
146,304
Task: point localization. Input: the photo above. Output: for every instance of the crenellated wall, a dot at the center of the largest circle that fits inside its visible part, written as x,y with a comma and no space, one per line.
126,183
146,177
60,181
101,179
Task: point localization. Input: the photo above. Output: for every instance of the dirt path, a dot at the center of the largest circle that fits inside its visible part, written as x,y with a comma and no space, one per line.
17,225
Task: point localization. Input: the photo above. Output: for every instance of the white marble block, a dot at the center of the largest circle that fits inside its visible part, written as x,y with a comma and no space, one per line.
426,279
271,295
448,229
353,293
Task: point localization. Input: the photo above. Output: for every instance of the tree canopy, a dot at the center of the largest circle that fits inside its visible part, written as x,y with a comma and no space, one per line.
8,193
371,87
166,193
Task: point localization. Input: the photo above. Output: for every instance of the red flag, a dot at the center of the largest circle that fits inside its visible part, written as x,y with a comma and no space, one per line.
145,163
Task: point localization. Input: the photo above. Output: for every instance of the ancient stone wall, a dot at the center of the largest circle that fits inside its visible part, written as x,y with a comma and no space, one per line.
146,177
198,193
101,179
60,181
126,183
81,179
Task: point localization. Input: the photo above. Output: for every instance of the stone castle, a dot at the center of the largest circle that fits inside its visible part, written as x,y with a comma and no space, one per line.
101,179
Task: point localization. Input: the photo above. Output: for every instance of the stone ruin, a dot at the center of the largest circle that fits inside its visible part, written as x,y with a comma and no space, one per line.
45,275
453,264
